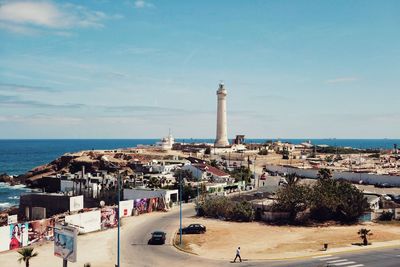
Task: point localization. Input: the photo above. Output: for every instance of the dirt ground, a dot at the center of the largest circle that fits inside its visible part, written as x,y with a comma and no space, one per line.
261,241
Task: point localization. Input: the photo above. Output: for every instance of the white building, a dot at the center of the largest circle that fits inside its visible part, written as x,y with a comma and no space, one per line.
207,172
169,196
166,143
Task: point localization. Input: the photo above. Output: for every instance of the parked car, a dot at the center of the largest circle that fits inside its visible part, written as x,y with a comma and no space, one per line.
157,238
383,185
386,197
396,199
194,229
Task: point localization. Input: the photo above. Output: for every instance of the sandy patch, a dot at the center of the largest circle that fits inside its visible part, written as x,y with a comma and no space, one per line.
261,241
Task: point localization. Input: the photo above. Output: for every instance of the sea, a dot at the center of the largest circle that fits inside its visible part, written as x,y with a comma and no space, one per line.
20,156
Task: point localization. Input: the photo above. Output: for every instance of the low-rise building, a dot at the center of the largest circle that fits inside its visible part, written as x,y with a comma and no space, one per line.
169,196
373,201
36,206
203,171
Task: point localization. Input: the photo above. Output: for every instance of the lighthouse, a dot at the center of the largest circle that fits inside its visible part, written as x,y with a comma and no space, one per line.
222,136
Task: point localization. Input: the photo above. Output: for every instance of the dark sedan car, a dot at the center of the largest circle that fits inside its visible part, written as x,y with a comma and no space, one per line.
194,229
157,238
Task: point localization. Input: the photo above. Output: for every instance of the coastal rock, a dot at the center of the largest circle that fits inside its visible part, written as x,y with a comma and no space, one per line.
92,161
5,178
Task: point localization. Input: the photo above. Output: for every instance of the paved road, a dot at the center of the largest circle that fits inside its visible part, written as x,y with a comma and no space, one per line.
136,252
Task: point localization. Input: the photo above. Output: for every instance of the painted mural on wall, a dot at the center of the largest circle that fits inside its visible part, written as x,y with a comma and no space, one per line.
146,205
140,205
40,230
18,235
109,218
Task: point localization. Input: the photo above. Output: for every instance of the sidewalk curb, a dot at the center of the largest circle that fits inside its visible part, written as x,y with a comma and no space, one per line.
357,250
179,248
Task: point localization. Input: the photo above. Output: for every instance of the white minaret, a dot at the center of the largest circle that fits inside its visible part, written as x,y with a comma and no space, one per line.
222,136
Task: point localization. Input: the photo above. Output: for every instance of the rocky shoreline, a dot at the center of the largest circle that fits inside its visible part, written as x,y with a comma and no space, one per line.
92,161
9,179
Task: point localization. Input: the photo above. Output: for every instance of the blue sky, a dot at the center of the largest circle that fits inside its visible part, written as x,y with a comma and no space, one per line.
134,69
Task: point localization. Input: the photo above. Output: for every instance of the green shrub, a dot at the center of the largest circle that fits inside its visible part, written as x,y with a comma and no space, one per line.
227,209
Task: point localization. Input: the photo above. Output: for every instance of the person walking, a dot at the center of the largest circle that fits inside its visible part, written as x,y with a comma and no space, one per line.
237,255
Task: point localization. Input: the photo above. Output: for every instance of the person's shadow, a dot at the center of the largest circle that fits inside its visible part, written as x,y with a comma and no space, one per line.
239,261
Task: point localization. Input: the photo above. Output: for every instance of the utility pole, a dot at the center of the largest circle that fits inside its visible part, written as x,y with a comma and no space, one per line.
119,218
198,184
254,173
180,210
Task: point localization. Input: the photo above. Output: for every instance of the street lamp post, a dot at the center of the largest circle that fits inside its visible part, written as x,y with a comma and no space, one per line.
180,209
119,219
254,173
198,180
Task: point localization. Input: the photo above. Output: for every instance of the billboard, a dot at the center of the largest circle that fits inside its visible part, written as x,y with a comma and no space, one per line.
86,222
4,238
109,218
75,203
40,230
149,204
18,234
141,205
125,208
65,239
12,219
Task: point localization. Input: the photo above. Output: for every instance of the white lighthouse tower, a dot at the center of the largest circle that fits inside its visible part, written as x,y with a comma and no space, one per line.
222,136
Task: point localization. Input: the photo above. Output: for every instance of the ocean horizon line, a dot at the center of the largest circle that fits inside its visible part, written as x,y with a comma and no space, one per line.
202,138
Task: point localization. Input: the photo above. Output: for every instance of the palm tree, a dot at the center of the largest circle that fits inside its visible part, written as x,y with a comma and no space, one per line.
154,182
364,233
26,255
324,174
292,179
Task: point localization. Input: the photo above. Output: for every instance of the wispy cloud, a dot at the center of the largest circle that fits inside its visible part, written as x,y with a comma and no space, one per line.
342,80
30,17
41,119
12,101
143,4
11,87
134,50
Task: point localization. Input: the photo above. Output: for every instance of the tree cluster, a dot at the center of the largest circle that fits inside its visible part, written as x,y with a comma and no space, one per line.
327,199
241,174
227,209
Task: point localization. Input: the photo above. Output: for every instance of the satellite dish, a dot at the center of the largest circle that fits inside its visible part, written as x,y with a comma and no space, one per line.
102,203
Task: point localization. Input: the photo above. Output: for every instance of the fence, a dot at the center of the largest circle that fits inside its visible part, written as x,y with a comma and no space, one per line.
18,235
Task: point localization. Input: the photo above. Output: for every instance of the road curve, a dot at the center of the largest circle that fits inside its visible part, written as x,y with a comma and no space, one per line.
136,252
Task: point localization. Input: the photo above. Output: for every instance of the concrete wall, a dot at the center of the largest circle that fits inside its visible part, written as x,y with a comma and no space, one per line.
86,222
38,213
54,204
125,208
397,214
350,176
75,203
66,185
140,194
4,238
